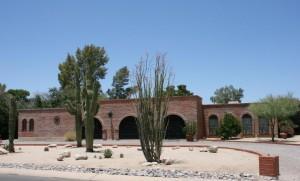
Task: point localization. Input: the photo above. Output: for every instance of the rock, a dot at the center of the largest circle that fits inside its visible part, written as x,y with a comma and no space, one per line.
3,151
100,157
19,148
68,146
147,164
81,157
203,150
52,145
115,146
95,156
60,158
191,149
213,149
46,148
169,162
66,154
98,145
154,163
139,149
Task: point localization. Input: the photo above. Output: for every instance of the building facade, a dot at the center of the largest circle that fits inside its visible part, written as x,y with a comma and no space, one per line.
116,120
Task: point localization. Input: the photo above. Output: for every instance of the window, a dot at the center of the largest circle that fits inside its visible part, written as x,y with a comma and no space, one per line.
213,125
24,125
263,126
31,125
247,124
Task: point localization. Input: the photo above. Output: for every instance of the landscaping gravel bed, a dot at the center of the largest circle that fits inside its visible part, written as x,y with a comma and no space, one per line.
149,172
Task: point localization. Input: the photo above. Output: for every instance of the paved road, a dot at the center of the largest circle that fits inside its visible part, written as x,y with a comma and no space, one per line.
28,178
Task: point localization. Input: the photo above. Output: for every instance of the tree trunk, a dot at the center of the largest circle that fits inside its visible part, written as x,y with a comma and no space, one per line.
12,123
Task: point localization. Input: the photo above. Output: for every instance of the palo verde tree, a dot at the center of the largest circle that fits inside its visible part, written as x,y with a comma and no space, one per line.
69,79
91,61
276,109
120,81
226,94
152,105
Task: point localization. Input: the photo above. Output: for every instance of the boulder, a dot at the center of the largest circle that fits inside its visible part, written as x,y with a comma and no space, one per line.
60,158
115,146
3,151
68,146
203,150
97,145
213,149
148,164
81,157
52,145
169,162
66,154
191,149
139,149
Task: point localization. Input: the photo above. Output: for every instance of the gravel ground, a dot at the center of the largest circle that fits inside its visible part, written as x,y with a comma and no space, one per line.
289,155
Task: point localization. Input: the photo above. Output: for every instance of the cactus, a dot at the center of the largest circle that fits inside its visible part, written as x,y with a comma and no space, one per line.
152,107
12,105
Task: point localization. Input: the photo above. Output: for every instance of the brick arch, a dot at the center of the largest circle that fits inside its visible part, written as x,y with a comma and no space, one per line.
128,128
118,122
179,115
247,113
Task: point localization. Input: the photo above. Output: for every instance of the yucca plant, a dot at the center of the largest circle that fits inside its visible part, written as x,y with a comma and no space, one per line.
152,105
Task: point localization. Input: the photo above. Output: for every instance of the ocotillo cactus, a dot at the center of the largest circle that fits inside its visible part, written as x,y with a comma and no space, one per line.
12,122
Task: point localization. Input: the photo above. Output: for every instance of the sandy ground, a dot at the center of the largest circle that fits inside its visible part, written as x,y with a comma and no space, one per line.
225,160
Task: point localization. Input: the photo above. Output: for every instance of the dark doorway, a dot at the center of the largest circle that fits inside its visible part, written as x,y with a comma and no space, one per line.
175,125
128,128
97,129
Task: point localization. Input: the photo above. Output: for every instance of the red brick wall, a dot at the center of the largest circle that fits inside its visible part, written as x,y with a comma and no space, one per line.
269,166
44,125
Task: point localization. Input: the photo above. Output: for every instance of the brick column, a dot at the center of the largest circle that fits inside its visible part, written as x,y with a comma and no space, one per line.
269,166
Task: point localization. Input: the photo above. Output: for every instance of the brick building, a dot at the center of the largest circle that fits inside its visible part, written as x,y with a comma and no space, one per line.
116,120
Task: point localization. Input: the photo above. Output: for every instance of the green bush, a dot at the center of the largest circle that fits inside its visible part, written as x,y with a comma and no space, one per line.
70,136
108,153
287,127
190,128
230,127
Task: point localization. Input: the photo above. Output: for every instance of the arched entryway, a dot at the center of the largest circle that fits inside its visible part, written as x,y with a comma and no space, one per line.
213,125
175,125
97,129
128,128
247,124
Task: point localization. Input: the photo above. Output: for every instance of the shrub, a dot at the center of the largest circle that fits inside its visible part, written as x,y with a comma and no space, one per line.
287,127
121,155
70,136
190,128
6,147
230,127
108,153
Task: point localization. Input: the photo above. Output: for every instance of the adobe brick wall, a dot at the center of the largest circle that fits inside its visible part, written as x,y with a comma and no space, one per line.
238,110
44,125
188,108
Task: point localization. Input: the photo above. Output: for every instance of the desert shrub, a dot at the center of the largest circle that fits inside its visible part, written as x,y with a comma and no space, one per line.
190,128
6,147
287,127
70,136
230,127
108,153
121,155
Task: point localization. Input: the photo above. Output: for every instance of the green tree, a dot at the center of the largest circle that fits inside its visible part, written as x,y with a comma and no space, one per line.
38,101
226,94
21,97
91,61
182,91
55,97
152,106
120,80
69,79
230,127
11,104
276,109
3,113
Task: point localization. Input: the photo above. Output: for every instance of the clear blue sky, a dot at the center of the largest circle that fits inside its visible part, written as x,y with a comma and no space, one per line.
250,44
